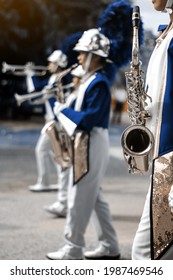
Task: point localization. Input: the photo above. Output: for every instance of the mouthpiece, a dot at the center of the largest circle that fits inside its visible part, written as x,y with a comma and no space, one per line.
136,16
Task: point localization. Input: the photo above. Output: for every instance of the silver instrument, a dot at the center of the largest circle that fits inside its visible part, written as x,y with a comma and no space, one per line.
20,70
42,96
46,93
60,141
60,93
137,140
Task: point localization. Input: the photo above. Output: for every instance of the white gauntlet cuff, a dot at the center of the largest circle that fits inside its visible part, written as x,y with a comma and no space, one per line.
58,107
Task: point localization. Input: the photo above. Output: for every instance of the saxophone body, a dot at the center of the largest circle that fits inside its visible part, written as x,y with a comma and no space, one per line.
60,141
61,144
137,140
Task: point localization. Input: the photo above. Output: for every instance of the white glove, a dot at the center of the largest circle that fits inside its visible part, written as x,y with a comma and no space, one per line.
48,87
46,93
29,69
58,107
170,199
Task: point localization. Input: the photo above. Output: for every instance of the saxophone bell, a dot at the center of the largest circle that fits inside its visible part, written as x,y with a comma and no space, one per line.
137,142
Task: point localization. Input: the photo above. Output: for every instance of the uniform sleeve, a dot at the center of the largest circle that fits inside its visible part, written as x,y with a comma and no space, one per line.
35,84
95,105
170,49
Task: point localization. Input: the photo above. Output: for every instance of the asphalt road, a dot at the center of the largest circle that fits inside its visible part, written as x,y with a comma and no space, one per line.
27,231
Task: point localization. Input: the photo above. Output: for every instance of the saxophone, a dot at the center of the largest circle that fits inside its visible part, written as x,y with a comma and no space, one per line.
60,141
137,140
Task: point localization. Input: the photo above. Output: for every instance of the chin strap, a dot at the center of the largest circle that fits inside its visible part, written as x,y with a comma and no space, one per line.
88,61
168,7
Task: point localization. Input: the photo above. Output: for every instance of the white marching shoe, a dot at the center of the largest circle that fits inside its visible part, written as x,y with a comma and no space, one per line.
67,252
43,188
102,253
57,208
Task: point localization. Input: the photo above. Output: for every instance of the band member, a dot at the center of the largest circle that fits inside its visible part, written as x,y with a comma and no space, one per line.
154,237
60,206
57,61
90,113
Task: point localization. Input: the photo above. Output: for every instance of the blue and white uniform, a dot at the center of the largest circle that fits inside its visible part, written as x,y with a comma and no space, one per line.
35,84
154,237
160,88
88,110
90,113
43,149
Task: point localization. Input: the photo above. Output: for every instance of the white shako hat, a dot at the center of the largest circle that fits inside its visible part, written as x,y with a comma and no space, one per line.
95,42
59,58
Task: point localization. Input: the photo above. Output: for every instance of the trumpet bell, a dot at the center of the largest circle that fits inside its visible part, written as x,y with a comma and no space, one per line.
19,99
137,142
28,97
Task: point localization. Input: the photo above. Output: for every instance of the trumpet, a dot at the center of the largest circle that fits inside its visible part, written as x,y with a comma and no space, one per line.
21,70
42,95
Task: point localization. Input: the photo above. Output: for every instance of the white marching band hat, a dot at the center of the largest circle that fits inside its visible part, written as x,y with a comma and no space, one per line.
95,42
59,58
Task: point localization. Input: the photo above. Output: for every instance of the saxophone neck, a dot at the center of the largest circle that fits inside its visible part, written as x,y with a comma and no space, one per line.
65,72
135,45
135,52
59,81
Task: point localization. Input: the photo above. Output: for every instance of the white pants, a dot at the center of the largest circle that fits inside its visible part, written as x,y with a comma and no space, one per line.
141,243
63,185
44,156
86,196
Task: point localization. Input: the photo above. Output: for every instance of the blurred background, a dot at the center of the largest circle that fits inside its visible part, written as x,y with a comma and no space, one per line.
31,30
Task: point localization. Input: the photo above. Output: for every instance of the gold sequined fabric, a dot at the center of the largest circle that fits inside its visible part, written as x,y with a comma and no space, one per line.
162,218
81,155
